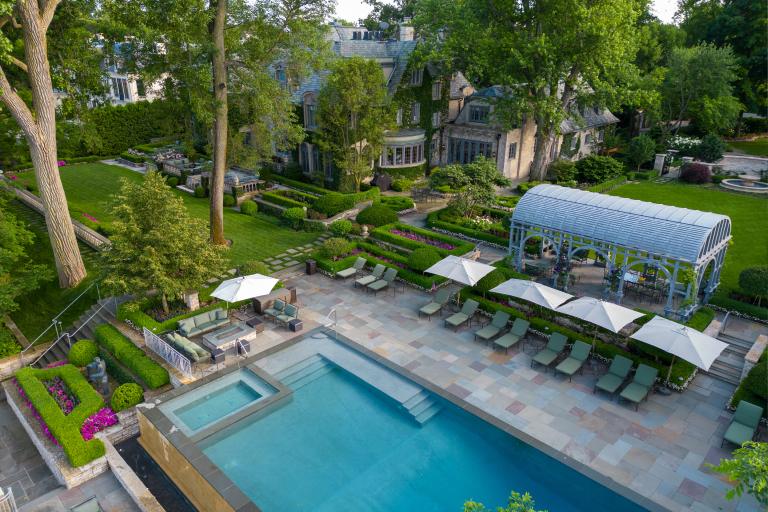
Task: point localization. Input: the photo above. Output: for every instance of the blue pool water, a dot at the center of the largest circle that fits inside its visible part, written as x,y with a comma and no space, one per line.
216,405
340,445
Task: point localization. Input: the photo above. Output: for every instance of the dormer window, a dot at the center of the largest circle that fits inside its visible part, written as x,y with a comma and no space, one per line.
479,113
416,76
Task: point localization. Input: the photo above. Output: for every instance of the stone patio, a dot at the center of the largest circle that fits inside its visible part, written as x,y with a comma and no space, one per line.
659,451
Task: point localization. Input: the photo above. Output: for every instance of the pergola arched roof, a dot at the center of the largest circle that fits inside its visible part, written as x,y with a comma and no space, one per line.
678,233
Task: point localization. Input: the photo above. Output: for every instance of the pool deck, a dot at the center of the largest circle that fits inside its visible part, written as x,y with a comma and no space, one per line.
659,451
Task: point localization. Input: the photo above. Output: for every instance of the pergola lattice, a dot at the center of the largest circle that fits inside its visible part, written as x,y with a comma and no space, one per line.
627,233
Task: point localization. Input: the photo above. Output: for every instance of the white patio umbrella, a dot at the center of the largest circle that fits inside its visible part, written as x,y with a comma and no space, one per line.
244,287
460,270
599,312
532,291
680,341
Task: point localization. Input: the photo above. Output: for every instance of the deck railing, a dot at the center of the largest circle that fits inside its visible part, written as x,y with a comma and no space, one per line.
167,352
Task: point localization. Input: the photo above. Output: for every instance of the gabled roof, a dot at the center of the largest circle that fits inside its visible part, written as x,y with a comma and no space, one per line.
589,119
678,233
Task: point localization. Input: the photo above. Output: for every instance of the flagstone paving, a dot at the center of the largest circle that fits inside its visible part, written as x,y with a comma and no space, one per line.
659,451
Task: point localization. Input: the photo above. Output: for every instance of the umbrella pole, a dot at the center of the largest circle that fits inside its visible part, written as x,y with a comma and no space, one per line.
669,373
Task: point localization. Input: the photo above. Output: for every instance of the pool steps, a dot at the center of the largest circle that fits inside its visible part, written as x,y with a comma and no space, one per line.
420,405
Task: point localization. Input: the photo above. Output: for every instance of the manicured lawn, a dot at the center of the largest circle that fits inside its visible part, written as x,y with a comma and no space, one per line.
749,219
89,186
757,147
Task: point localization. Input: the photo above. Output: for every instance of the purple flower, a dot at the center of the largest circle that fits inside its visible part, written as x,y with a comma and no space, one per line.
103,418
423,239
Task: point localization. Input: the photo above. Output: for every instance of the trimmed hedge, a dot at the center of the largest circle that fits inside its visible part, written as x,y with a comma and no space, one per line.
333,203
115,369
82,353
397,203
608,185
153,375
134,312
279,200
433,221
249,208
752,310
132,158
382,233
754,387
422,259
125,396
376,215
314,189
65,428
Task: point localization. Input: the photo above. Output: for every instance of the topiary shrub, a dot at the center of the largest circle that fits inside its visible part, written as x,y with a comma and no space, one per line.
199,191
422,259
711,148
341,227
82,353
753,281
596,169
294,217
563,170
229,201
334,248
125,396
696,173
333,203
402,185
249,208
254,267
376,215
490,281
172,181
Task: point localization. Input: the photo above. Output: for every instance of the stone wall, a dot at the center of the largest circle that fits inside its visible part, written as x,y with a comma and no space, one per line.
11,364
128,478
753,356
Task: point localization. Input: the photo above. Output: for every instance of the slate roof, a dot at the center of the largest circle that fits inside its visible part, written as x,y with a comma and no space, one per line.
589,119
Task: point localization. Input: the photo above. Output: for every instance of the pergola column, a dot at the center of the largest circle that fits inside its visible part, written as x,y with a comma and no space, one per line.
620,289
672,286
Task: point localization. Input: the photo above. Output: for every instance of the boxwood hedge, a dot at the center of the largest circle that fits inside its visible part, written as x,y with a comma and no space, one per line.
153,375
65,428
383,233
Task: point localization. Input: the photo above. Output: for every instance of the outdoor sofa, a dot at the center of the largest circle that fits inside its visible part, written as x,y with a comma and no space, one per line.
203,323
744,424
192,351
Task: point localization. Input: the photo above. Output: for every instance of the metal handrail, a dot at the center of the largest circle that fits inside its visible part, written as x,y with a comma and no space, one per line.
7,501
725,321
332,317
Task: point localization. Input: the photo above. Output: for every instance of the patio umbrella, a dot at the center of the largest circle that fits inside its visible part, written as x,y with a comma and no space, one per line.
460,270
680,341
244,287
532,291
600,313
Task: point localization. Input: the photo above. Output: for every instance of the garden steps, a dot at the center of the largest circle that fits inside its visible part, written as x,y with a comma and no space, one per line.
729,366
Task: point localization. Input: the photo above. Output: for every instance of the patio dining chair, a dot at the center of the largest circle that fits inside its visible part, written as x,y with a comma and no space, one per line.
374,276
498,322
554,348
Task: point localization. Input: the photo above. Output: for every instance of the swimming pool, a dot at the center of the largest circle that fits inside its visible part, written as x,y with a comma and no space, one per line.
340,445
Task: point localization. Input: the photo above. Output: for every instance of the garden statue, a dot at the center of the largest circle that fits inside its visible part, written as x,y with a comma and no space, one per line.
104,385
97,370
364,231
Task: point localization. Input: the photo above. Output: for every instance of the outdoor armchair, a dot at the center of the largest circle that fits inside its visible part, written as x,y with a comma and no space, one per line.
290,312
466,313
744,424
516,333
384,282
617,374
641,385
575,361
353,270
374,276
275,309
554,348
499,322
441,298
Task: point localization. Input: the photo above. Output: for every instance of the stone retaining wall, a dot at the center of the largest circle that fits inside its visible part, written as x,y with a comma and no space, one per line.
754,354
128,478
11,364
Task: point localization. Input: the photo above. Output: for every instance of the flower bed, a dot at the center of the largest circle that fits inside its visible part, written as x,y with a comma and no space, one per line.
61,394
102,419
63,429
112,340
410,237
493,230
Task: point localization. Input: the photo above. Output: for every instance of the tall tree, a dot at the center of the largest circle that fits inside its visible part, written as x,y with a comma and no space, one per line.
24,25
237,46
549,65
353,112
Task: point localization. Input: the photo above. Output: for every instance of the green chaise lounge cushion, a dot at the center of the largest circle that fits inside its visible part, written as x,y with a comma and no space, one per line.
379,285
469,308
548,354
617,374
515,334
203,322
744,424
354,269
498,323
290,312
574,361
275,309
637,390
441,297
378,271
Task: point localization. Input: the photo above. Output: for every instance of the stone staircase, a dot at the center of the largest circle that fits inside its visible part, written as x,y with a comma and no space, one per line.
82,328
420,406
729,365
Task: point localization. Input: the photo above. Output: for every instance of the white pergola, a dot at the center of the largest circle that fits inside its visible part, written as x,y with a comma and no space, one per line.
627,233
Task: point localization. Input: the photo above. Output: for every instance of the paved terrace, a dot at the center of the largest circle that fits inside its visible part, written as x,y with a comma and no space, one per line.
659,451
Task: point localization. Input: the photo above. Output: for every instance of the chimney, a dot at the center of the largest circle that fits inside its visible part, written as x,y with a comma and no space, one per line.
406,30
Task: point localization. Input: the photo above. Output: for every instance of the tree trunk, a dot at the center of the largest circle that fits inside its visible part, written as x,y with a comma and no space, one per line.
219,124
40,131
166,309
544,143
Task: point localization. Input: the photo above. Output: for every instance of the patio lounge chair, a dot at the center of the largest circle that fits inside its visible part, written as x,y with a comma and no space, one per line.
353,270
290,312
499,322
575,361
374,276
516,333
641,385
275,309
744,424
554,348
441,298
466,314
384,282
617,374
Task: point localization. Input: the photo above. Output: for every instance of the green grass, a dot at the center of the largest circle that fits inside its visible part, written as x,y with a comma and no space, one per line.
88,187
748,218
757,147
